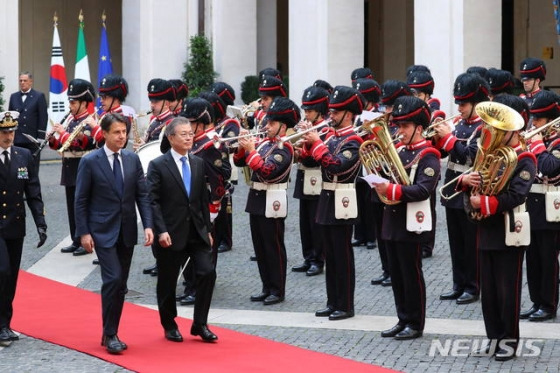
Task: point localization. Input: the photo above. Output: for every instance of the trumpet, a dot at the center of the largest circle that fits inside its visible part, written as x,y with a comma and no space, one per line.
553,125
219,140
293,138
430,132
144,114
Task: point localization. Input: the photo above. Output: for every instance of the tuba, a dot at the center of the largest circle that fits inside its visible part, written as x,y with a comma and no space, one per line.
494,162
379,155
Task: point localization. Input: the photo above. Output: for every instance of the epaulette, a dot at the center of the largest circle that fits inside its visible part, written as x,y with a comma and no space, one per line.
526,154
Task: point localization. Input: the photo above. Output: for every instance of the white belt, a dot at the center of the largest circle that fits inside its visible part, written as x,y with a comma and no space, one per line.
74,154
262,186
457,167
543,188
334,186
520,208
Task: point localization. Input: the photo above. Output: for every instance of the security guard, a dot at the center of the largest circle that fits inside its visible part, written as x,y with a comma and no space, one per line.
80,94
271,161
404,246
19,180
460,146
542,254
337,210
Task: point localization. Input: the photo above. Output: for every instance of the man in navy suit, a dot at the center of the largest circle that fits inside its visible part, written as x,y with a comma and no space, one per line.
109,186
32,106
18,177
180,205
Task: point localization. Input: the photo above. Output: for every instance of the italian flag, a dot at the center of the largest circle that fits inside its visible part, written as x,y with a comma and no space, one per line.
81,70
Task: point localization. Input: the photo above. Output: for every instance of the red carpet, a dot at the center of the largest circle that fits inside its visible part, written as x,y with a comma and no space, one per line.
71,317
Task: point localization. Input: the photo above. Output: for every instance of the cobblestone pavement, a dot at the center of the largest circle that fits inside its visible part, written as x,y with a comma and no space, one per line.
238,278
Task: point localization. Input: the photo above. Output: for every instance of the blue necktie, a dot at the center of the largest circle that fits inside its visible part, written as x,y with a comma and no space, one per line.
117,172
186,175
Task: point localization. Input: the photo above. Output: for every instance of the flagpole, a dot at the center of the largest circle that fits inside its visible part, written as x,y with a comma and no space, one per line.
58,85
105,65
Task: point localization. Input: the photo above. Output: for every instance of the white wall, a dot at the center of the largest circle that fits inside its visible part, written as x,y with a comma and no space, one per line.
266,34
9,47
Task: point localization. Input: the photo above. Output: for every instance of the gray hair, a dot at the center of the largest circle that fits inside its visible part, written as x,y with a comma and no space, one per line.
170,130
26,73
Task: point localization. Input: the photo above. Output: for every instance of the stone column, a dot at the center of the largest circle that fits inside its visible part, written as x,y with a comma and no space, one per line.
9,48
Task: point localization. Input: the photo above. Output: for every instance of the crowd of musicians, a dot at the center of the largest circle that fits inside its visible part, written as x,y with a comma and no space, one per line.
368,160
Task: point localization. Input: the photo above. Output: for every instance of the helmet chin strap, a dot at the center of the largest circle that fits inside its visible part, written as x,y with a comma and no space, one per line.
337,124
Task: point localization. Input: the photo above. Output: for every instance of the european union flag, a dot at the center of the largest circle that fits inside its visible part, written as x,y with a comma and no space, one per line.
105,65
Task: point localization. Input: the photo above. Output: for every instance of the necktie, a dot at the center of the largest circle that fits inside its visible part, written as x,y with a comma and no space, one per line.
6,158
117,172
186,175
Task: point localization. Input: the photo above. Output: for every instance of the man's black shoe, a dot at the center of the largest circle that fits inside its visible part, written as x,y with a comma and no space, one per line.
112,344
393,331
173,335
314,270
80,251
358,243
426,254
529,312
187,300
341,315
301,268
408,333
224,247
380,279
387,282
504,355
5,339
259,297
95,262
149,270
69,249
204,333
452,295
371,245
154,272
325,312
467,298
542,315
253,258
13,336
272,299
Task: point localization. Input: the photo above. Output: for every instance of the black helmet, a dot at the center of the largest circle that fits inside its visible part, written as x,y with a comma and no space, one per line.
471,88
198,110
180,87
113,85
477,70
532,68
500,81
417,68
271,86
347,98
217,104
369,88
421,81
323,84
270,71
516,103
160,89
284,110
81,90
361,73
546,105
225,91
315,98
392,89
411,109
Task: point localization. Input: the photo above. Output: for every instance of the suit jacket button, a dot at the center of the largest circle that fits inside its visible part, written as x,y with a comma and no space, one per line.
3,216
4,205
4,192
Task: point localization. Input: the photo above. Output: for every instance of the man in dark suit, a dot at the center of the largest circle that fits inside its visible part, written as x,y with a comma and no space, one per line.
182,222
18,176
32,106
107,193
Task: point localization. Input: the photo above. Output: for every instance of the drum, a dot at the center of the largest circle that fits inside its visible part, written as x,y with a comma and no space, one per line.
147,152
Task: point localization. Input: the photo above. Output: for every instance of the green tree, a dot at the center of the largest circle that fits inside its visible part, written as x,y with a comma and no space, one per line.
199,71
250,89
1,91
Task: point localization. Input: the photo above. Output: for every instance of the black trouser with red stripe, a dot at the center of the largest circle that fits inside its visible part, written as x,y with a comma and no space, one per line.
409,289
542,269
268,242
378,208
311,242
501,274
363,229
339,264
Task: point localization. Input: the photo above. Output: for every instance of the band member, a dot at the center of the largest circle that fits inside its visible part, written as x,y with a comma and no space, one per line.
18,180
80,94
422,85
460,146
500,81
390,91
364,232
340,165
113,90
361,73
542,254
404,249
479,70
181,93
532,72
271,161
182,223
417,68
323,84
315,104
501,264
269,88
108,191
270,71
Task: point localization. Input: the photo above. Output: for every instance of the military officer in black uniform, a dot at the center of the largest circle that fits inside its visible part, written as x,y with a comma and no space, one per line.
460,146
542,254
80,94
18,180
315,104
532,72
271,161
337,210
404,247
501,264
